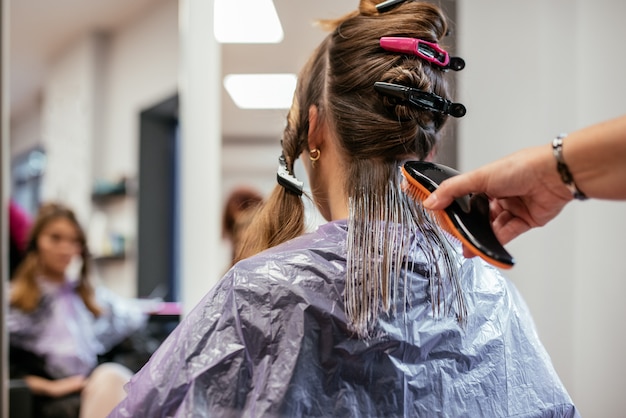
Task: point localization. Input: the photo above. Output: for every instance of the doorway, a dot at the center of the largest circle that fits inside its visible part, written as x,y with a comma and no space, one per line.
157,235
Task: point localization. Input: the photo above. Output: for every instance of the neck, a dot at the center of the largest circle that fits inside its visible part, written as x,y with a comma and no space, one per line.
338,203
331,192
53,276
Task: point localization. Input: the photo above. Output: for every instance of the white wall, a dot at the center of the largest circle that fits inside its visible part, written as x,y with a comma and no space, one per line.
535,69
68,112
25,130
139,70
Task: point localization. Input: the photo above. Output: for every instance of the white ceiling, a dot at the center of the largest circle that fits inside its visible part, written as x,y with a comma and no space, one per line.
301,37
42,28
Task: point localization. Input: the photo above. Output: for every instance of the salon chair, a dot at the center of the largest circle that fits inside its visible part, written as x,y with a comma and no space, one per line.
133,353
20,399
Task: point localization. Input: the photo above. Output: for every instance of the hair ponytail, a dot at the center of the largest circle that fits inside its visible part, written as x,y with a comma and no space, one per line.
278,220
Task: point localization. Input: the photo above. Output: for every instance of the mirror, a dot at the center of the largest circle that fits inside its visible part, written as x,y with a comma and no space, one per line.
81,74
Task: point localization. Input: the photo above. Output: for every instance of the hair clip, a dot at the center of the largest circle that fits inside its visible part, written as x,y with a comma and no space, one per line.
287,180
428,51
386,5
421,99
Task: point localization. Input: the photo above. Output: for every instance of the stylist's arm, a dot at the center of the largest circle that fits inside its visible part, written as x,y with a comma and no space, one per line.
526,188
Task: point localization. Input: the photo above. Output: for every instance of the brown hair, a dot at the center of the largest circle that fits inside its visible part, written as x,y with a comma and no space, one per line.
374,132
238,210
25,293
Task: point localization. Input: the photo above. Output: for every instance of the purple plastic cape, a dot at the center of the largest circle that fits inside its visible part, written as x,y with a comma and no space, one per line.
271,339
65,333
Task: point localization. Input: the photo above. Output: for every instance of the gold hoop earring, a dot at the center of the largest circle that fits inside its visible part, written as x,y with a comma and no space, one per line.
314,155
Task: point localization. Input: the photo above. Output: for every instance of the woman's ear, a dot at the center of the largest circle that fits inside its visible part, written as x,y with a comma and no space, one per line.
315,135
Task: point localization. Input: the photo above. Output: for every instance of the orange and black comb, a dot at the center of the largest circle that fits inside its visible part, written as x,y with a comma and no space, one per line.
466,218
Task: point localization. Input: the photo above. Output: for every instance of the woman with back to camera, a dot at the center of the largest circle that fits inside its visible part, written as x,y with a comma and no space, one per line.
59,324
375,314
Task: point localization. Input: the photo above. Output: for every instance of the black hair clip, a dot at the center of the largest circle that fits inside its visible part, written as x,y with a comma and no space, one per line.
421,99
387,5
287,180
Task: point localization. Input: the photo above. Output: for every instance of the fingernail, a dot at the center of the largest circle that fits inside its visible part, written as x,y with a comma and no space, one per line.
430,201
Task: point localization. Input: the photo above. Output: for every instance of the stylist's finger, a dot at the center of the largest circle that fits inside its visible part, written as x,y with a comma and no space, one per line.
507,227
452,188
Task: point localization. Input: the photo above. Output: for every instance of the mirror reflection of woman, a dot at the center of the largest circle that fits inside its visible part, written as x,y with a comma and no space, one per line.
59,325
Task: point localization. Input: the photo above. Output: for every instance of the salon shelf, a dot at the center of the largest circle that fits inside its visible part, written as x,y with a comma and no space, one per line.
109,257
101,197
104,190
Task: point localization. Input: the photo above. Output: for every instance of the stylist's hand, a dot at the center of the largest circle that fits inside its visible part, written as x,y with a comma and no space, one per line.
525,191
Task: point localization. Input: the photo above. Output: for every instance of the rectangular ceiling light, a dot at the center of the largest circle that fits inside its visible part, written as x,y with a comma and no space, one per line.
261,91
246,21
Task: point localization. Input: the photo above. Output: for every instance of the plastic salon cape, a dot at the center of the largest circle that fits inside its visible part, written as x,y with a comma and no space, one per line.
65,333
270,339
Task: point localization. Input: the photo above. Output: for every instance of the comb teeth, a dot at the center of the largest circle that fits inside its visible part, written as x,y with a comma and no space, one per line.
417,193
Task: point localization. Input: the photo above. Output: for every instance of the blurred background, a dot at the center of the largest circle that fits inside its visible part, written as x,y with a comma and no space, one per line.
130,113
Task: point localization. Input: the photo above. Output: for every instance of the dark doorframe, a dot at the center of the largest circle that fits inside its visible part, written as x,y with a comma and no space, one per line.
157,243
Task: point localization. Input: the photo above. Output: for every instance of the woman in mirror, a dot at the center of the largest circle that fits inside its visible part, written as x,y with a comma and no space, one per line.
60,324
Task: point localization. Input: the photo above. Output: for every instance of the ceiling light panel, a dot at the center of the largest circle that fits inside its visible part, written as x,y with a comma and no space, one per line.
261,91
246,21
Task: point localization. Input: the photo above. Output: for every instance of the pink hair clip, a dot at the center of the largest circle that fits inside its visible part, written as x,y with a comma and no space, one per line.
428,51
